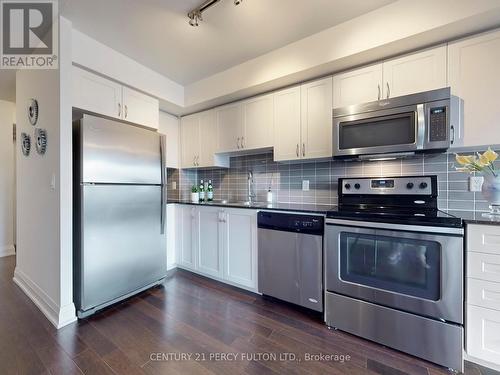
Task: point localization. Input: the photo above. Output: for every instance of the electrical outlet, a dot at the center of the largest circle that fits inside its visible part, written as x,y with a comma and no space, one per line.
174,185
475,183
305,185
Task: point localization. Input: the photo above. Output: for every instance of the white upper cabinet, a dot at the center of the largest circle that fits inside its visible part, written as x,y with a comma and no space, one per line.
409,74
258,122
316,124
474,77
208,139
169,126
229,127
190,141
303,121
199,141
140,108
287,141
96,94
417,72
102,96
357,86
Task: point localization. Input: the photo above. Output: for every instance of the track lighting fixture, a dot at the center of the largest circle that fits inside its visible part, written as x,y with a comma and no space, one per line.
195,15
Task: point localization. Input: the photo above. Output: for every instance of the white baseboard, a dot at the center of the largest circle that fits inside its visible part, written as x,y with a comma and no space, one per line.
7,250
58,316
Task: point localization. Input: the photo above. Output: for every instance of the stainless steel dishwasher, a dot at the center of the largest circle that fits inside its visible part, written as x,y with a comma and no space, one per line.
291,257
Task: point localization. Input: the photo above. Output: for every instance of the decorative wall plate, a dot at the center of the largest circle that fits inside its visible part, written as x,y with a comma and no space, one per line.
25,144
41,141
33,111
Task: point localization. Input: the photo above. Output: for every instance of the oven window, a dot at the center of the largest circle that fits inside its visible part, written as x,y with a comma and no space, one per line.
407,266
381,131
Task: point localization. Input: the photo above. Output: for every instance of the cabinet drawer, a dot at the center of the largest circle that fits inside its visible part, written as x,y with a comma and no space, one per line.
483,293
483,239
483,266
483,334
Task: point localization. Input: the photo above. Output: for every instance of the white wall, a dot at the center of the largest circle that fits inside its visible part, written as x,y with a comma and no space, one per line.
7,110
44,208
396,28
100,58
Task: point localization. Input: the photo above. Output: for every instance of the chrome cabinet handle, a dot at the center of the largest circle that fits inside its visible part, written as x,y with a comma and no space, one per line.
388,91
303,149
194,160
297,150
119,110
126,111
242,142
379,92
238,142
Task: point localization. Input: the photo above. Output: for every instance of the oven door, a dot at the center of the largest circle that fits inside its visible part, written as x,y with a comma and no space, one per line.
384,131
401,267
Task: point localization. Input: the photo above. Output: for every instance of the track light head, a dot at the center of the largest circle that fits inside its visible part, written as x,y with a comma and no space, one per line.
237,2
194,18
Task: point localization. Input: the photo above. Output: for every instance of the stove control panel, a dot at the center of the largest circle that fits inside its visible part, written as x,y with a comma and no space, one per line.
388,186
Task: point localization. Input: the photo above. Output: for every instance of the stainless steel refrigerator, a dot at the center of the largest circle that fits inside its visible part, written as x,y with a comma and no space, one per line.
119,212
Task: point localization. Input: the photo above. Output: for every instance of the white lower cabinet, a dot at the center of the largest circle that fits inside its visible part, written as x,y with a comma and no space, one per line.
220,243
240,247
482,324
209,249
188,227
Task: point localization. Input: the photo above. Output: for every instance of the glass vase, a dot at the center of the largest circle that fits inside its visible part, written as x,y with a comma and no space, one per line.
491,192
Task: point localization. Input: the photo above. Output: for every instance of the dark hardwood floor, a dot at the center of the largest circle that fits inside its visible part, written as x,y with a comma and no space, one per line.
188,315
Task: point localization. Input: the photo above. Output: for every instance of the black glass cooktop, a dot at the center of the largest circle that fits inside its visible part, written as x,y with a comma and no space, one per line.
397,215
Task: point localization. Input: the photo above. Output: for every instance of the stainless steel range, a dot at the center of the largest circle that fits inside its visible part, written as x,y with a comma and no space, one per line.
394,267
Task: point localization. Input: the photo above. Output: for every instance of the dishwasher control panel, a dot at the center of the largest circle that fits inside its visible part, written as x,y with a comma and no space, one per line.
308,224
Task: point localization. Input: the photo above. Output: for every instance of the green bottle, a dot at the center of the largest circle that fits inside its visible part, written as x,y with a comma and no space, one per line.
202,191
210,191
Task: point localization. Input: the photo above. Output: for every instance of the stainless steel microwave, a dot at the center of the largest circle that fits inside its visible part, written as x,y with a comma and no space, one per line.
402,125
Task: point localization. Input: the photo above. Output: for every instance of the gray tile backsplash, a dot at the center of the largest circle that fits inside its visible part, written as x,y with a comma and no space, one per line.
285,179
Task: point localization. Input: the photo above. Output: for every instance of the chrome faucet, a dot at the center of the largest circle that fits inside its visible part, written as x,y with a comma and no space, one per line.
251,193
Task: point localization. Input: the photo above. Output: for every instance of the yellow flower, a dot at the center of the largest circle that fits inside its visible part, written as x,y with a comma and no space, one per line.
483,160
490,155
465,160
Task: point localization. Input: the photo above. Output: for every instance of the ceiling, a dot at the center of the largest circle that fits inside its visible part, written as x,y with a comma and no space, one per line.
156,32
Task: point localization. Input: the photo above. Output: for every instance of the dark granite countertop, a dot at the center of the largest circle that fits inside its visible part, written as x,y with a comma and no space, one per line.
297,207
483,221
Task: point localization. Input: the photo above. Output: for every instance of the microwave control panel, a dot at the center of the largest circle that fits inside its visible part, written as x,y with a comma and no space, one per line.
438,124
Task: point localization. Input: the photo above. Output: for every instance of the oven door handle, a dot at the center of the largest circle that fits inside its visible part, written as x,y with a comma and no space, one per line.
399,227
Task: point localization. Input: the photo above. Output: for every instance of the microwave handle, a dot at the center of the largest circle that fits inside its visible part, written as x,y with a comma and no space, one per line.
420,126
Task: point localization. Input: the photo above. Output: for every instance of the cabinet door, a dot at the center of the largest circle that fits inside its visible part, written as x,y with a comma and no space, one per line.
229,128
190,140
140,108
357,86
316,121
96,94
208,138
258,122
189,238
210,249
417,72
287,124
474,77
240,247
483,333
170,127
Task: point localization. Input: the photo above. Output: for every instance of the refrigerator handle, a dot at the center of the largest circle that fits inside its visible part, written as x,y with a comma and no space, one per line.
163,184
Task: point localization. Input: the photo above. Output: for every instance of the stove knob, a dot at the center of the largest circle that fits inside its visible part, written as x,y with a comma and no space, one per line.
357,186
347,186
410,185
423,185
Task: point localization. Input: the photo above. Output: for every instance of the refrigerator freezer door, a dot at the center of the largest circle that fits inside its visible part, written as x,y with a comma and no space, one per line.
122,249
113,152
